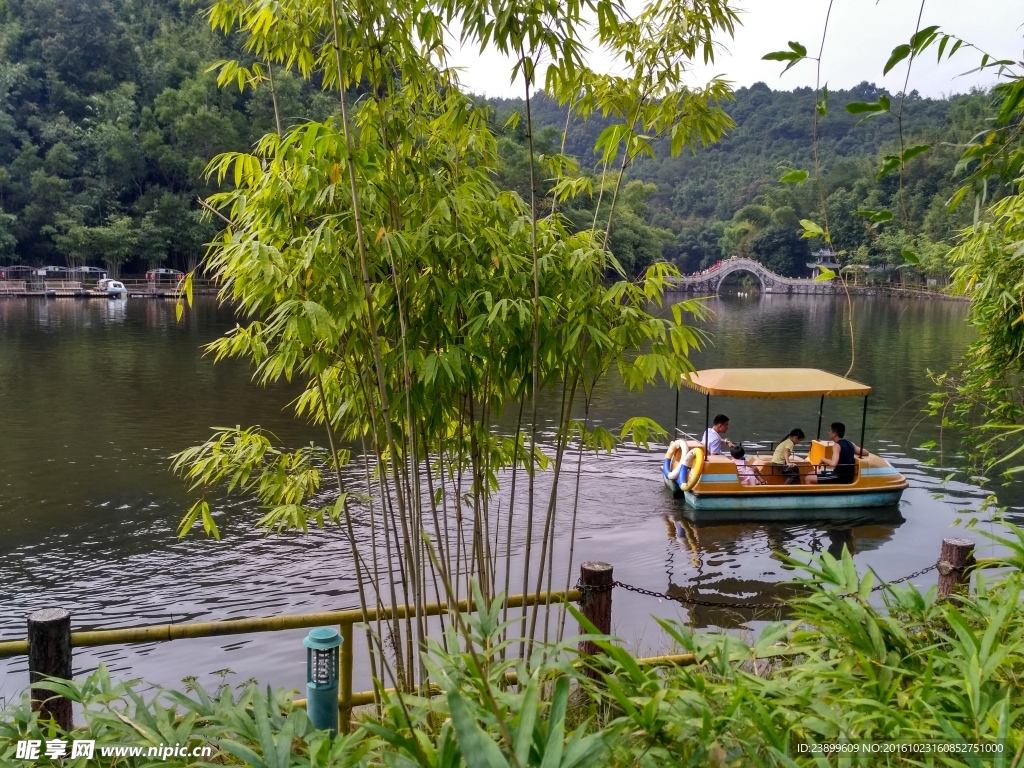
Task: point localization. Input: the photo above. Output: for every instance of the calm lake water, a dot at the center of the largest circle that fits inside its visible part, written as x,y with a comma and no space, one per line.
95,396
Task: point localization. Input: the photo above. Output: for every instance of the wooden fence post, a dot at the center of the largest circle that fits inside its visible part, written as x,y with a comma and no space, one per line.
49,655
954,560
345,668
595,604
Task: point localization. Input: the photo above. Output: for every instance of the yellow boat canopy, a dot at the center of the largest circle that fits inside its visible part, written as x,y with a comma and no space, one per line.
773,382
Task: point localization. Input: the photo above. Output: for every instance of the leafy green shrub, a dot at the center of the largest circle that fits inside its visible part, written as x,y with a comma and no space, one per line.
916,670
921,670
256,728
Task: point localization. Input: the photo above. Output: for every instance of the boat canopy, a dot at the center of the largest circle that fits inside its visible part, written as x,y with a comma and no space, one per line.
773,383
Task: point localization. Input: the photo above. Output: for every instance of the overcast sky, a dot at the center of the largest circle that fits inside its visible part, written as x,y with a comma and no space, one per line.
861,35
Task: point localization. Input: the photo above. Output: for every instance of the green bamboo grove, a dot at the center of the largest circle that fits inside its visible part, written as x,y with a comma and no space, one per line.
371,256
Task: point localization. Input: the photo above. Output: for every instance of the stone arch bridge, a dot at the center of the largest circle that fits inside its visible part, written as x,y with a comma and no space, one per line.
709,281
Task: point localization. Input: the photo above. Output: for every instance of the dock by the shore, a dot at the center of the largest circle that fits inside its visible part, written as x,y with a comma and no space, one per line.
69,289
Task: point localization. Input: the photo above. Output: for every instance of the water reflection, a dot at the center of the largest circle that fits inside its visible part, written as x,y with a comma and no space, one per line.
700,558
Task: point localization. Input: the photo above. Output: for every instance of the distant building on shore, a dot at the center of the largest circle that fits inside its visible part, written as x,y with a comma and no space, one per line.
824,259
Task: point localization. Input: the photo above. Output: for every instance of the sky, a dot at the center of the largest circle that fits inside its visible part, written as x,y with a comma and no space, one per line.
861,35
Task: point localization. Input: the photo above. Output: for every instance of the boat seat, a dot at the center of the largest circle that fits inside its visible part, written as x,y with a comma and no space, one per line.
819,450
770,474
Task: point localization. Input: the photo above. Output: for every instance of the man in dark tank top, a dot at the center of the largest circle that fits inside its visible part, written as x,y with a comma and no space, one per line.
841,465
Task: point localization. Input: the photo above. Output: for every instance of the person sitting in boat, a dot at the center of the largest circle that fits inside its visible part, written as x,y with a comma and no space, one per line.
841,465
714,436
784,460
747,474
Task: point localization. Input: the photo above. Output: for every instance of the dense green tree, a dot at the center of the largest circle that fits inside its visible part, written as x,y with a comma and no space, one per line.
782,250
116,241
107,105
736,184
696,247
8,240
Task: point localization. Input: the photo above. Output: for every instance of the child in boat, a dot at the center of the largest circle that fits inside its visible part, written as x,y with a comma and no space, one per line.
784,460
747,474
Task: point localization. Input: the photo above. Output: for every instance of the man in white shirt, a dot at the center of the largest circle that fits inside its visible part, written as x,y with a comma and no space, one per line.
714,437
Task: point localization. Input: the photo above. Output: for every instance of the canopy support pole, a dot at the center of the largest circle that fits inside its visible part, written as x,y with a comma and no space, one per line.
707,421
675,424
863,422
821,408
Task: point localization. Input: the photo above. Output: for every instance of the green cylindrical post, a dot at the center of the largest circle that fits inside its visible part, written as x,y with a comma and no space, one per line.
322,677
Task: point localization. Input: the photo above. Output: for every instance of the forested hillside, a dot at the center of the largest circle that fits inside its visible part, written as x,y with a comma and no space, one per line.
108,117
726,198
107,120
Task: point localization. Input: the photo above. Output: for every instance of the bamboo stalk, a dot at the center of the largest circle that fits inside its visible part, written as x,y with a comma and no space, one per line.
367,291
511,508
575,508
548,540
535,359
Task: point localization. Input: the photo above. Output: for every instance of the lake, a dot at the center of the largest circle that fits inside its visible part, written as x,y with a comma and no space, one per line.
96,395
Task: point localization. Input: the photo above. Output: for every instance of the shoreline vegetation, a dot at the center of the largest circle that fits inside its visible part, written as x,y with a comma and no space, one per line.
917,680
380,260
111,113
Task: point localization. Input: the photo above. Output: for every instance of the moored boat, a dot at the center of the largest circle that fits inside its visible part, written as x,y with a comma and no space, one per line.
111,288
711,482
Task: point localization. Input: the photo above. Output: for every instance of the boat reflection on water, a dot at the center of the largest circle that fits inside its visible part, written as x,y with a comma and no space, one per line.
699,558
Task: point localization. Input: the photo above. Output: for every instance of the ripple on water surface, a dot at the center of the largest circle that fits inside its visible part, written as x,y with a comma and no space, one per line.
95,397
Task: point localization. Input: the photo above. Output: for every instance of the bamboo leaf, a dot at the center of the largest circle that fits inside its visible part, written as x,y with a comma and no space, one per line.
876,216
796,54
797,48
780,56
913,152
955,200
811,229
899,53
890,164
861,107
923,38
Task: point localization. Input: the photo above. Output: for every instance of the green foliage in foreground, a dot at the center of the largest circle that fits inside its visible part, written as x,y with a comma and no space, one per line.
916,670
983,395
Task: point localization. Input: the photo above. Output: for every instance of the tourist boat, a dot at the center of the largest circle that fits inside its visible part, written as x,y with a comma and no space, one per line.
712,483
111,288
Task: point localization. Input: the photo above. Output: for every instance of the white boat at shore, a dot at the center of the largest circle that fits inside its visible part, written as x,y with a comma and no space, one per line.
112,288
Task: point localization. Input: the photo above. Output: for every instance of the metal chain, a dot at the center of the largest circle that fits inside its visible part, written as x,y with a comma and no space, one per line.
719,604
691,600
914,575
